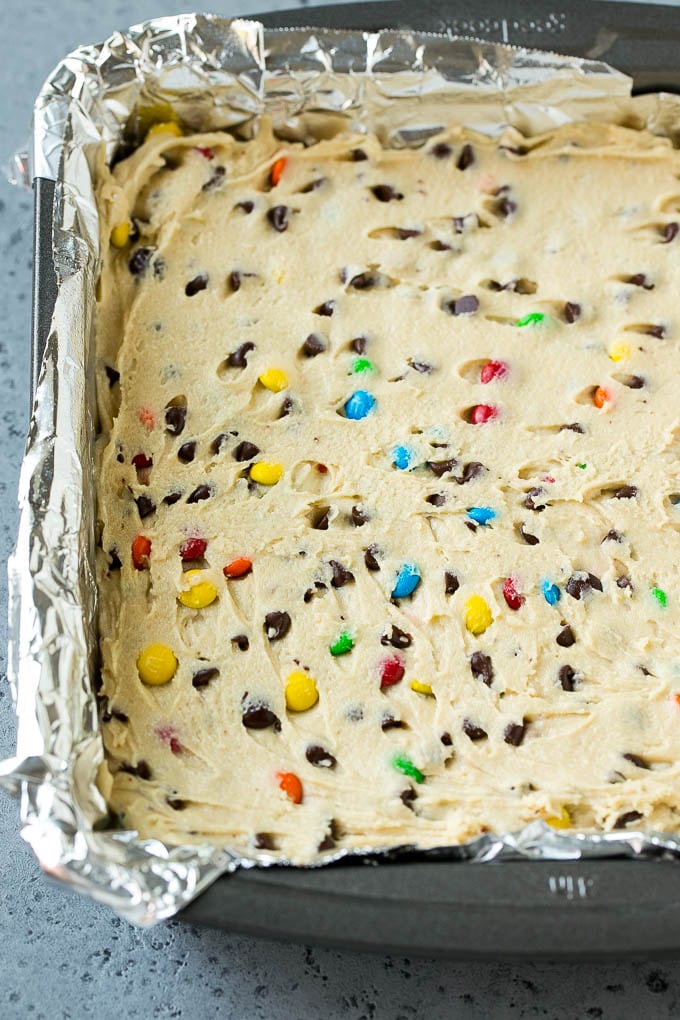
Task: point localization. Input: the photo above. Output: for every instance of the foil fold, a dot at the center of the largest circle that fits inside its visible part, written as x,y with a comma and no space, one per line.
215,74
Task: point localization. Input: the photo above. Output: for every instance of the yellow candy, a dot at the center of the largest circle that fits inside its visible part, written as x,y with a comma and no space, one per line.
477,615
156,665
166,127
421,688
274,379
200,594
266,472
619,352
561,821
120,235
301,692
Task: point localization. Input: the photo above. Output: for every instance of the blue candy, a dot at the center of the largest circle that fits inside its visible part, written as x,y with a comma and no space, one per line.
481,514
407,581
402,457
551,593
359,405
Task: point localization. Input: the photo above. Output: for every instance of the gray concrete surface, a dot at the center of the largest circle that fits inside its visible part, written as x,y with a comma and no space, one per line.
61,956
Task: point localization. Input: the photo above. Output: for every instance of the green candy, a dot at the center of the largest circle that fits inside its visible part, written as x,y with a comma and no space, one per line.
406,766
660,595
582,466
362,365
342,645
532,319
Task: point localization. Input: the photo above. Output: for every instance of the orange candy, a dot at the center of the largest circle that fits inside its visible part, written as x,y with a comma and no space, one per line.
600,396
147,418
677,699
277,170
291,786
238,568
141,550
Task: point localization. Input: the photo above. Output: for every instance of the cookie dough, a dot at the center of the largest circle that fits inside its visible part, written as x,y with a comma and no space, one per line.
389,488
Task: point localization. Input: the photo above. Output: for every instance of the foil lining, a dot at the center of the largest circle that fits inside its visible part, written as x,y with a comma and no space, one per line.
215,74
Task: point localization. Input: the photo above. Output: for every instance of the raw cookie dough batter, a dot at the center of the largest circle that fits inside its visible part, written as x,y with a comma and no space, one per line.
389,488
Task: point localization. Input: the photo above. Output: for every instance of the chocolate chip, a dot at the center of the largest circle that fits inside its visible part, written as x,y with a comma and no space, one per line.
358,345
573,427
404,233
286,407
139,261
626,492
215,180
202,677
482,667
626,818
459,224
241,641
451,583
175,803
531,497
141,769
112,375
470,526
572,311
114,560
423,367
235,280
322,519
364,281
198,283
516,150
658,331
116,713
313,345
635,759
390,723
468,304
466,158
320,757
312,186
471,470
398,638
440,245
623,582
369,558
505,206
514,733
238,358
278,217
580,584
442,467
172,498
359,517
276,625
218,442
669,231
358,155
639,280
436,499
472,731
441,150
199,493
446,739
187,452
566,677
145,506
175,419
407,797
246,206
246,451
612,536
634,382
258,717
386,193
566,638
528,538
341,575
264,841
327,308
330,839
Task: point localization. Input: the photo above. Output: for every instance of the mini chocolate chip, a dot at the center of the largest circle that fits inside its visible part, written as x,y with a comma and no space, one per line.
246,451
159,268
459,224
320,757
531,497
246,206
639,280
364,281
238,358
644,670
218,442
112,375
472,731
505,206
441,150
322,520
116,713
635,759
114,561
145,506
141,769
470,471
626,818
172,498
612,536
139,261
442,467
341,575
658,331
187,452
358,155
199,493
470,526
264,841
528,538
623,582
572,311
241,641
626,492
516,150
369,558
198,283
175,419
386,193
259,717
634,382
278,217
276,625
390,723
436,499
405,233
566,677
235,280
440,245
286,407
359,517
468,304
203,676
446,739
327,843
481,667
407,797
566,638
175,803
451,583
358,345
669,231
313,345
215,180
327,308
466,158
398,638
514,733
423,367
313,186
573,427
580,585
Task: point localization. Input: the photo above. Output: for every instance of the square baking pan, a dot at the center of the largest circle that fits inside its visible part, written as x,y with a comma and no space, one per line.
507,909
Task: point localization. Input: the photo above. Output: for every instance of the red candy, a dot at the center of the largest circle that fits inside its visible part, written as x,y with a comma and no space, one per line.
141,550
322,469
493,370
168,734
391,671
291,786
192,549
514,599
483,413
141,461
206,153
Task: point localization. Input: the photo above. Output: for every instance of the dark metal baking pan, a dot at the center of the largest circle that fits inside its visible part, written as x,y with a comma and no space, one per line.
516,909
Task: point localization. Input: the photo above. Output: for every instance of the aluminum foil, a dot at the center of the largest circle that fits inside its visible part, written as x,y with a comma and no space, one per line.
214,74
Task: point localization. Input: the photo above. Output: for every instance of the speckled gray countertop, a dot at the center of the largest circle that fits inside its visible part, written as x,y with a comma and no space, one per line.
62,956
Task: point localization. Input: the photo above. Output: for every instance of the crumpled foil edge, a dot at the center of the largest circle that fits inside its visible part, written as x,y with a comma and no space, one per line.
216,74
